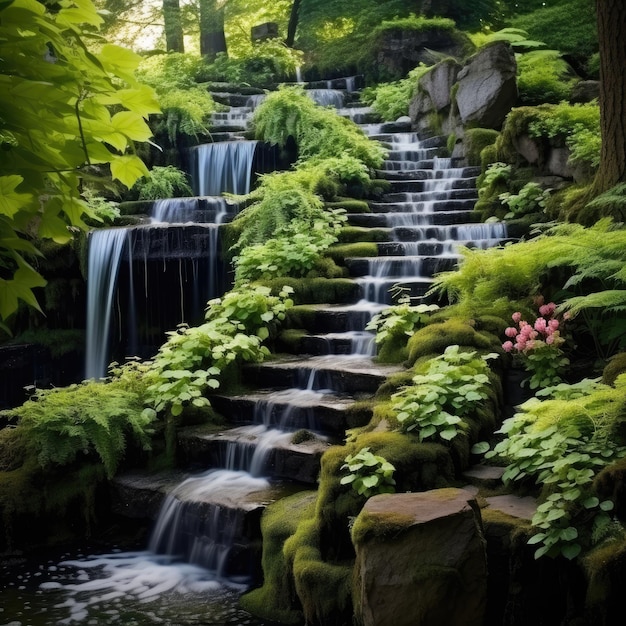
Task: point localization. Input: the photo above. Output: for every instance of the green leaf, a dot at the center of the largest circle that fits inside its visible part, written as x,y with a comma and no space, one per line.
19,288
128,169
480,448
11,201
571,551
131,125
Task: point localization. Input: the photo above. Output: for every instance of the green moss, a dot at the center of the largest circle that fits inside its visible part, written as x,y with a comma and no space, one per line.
290,340
276,599
136,207
475,141
359,249
316,290
350,205
605,567
352,234
394,350
367,526
615,367
435,338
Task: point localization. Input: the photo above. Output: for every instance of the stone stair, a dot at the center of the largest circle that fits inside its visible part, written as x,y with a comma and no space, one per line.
296,405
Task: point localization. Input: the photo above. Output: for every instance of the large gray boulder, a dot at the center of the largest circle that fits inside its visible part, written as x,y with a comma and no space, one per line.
420,560
433,94
487,86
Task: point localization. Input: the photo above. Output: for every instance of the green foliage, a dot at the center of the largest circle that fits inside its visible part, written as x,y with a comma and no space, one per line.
369,474
63,424
543,76
64,108
262,64
569,27
317,131
185,112
101,210
391,100
449,390
591,278
192,360
415,23
577,125
163,182
496,174
611,203
400,320
530,199
561,445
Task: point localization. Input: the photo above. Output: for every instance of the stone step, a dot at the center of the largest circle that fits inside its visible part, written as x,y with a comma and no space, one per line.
445,232
332,318
404,266
215,512
439,218
425,196
402,203
261,450
422,185
381,290
433,248
290,409
344,343
346,374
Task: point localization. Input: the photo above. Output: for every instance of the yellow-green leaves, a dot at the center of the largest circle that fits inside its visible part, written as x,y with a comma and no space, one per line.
56,98
127,169
11,201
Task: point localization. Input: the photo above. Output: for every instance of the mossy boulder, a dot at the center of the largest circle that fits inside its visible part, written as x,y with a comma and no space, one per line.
276,599
436,337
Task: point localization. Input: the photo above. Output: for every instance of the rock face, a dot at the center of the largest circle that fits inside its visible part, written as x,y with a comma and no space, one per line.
487,88
420,560
400,50
478,94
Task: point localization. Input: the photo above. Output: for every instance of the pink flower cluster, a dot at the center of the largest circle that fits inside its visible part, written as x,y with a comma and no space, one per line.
527,337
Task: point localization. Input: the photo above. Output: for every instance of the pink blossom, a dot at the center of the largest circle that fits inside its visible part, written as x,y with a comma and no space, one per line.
530,345
550,339
553,324
520,344
510,331
547,309
540,324
507,346
516,317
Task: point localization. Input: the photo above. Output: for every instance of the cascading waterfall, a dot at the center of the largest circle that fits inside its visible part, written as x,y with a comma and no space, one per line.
103,262
224,166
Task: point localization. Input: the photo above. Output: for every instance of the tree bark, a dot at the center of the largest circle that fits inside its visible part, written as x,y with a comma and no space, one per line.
173,26
611,18
212,37
293,23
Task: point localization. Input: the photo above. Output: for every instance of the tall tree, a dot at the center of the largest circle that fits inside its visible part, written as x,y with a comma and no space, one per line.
173,26
611,19
292,26
212,36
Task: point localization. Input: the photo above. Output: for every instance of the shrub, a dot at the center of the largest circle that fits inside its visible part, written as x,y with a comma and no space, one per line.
561,445
438,400
369,474
163,182
543,76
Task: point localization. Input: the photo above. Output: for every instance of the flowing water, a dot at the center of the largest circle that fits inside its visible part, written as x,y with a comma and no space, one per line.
195,566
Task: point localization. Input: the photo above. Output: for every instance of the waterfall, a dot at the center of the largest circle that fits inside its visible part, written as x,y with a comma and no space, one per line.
224,166
326,97
105,253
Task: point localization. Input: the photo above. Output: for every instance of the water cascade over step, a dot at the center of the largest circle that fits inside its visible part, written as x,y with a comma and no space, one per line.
222,167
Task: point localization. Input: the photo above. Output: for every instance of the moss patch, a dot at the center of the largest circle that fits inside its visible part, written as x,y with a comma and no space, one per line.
352,234
368,526
435,338
316,290
276,599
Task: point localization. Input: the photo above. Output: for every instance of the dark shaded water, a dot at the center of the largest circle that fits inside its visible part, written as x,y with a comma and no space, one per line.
130,588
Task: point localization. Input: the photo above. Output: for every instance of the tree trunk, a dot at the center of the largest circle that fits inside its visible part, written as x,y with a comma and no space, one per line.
293,23
212,37
173,26
611,16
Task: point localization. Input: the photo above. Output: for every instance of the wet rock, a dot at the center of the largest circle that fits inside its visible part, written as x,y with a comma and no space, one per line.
420,560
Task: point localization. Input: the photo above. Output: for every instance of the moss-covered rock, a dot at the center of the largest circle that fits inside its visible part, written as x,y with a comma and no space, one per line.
350,205
435,338
352,234
615,367
276,599
316,290
475,141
